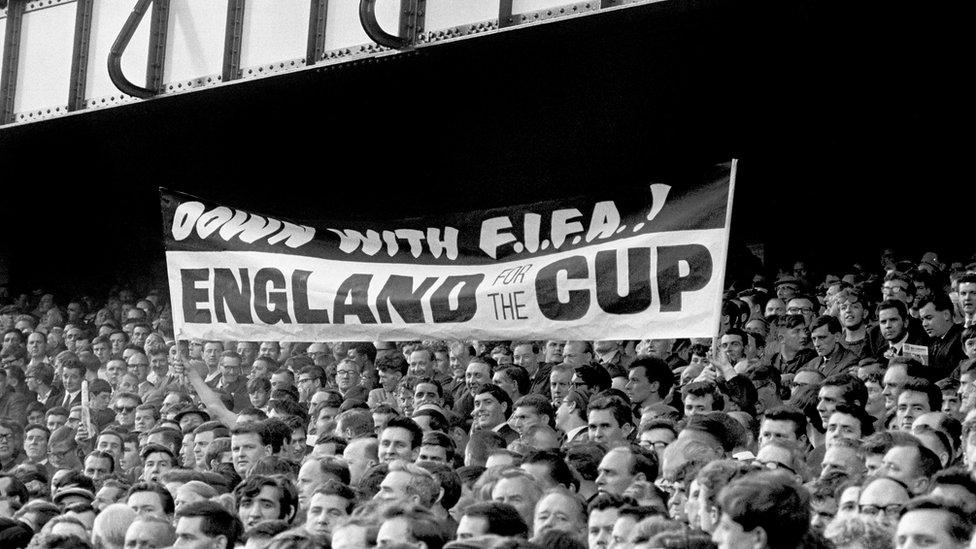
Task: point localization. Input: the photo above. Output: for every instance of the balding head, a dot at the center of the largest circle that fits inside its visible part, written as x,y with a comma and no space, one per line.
150,531
108,530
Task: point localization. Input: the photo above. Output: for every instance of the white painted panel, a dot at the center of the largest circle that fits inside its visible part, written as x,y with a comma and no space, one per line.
526,6
195,39
108,17
345,30
44,72
274,31
446,14
3,31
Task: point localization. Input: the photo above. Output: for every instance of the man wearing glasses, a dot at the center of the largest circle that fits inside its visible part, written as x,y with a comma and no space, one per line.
348,381
803,306
882,499
11,445
231,379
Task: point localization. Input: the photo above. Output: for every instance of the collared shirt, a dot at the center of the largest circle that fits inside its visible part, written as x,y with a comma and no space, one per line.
573,433
69,398
42,398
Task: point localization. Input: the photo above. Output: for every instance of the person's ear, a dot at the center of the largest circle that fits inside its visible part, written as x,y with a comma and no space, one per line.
760,539
220,542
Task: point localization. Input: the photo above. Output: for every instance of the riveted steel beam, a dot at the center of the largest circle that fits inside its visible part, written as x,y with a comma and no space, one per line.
11,58
156,60
505,18
317,20
79,55
411,24
233,37
412,18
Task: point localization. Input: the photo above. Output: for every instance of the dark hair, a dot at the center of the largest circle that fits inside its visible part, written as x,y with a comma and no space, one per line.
866,421
830,322
416,433
481,444
657,370
559,470
617,406
392,362
644,461
770,500
17,491
854,390
330,465
955,476
520,376
703,388
164,496
498,394
449,480
287,493
594,376
939,301
929,389
896,304
217,521
502,518
960,523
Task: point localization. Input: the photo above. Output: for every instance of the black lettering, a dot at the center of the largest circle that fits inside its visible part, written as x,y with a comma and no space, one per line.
440,305
670,283
299,290
193,296
638,297
237,299
263,297
356,289
548,294
398,292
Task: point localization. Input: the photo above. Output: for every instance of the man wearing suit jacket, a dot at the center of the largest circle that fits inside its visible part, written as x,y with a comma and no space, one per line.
72,374
893,326
40,379
945,351
832,357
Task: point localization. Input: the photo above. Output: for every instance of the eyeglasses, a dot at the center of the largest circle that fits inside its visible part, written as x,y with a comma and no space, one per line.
124,409
892,289
4,437
871,510
346,372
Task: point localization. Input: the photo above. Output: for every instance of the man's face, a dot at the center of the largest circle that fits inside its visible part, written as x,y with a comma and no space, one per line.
895,289
54,421
526,417
190,535
155,465
517,493
97,468
638,387
396,443
523,356
602,427
698,404
477,376
911,404
926,528
393,488
389,379
426,393
125,411
840,458
139,366
432,452
852,313
554,351
114,371
269,349
230,369
801,306
246,449
324,511
733,347
575,353
35,444
772,429
891,324
420,364
881,502
828,399
935,323
118,342
211,354
8,443
557,512
824,341
600,527
804,377
36,345
71,379
201,443
147,503
822,511
488,411
967,298
895,378
264,506
347,375
614,472
842,425
902,463
560,382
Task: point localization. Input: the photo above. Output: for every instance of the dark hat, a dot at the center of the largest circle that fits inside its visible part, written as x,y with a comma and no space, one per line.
192,410
787,280
72,491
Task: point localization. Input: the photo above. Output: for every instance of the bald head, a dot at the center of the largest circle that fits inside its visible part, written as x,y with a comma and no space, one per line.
149,531
108,530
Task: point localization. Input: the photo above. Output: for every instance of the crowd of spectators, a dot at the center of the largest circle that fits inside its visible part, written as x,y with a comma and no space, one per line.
832,410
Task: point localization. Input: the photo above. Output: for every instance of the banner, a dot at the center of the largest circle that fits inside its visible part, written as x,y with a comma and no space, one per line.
641,263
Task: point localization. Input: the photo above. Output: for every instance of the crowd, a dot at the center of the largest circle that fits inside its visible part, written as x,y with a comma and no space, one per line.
832,410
